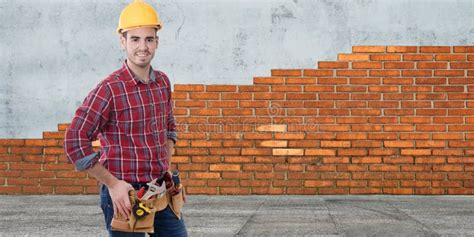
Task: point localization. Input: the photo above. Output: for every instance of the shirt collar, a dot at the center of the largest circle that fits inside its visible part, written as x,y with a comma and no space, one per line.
135,79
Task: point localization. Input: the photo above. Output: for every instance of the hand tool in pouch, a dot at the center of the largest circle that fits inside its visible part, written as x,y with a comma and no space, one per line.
154,189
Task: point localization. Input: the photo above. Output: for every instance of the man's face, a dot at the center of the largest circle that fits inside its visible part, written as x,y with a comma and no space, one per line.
140,44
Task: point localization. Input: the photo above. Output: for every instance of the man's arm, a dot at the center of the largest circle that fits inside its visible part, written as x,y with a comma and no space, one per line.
88,122
118,189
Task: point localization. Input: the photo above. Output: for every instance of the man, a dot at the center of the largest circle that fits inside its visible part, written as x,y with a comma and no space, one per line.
130,111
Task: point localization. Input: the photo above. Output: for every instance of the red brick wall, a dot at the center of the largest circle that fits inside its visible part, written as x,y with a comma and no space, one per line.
381,120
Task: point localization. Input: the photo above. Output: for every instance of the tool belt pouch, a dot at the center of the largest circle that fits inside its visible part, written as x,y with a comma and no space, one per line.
176,202
143,224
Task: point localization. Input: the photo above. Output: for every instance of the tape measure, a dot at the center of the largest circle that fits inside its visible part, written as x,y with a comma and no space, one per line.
140,210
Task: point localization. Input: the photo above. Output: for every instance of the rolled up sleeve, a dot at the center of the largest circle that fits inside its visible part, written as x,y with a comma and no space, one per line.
88,121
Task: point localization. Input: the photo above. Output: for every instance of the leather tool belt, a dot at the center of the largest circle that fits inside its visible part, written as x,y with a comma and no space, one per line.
143,211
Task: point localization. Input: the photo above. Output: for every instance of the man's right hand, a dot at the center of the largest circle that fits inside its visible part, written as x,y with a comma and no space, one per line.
119,193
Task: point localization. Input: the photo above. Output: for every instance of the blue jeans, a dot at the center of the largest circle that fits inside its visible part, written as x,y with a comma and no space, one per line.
166,223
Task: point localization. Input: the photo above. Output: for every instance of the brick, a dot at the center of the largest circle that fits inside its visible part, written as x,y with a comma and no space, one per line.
383,183
385,57
428,81
63,126
53,151
417,73
335,144
384,168
416,152
384,73
461,176
450,152
286,72
222,183
361,191
271,175
300,80
27,150
189,88
431,96
398,160
270,160
368,49
399,65
272,143
460,160
238,159
334,96
351,183
335,160
10,190
383,89
460,191
414,183
303,144
268,80
179,95
41,142
447,183
450,57
301,191
300,96
267,190
367,65
432,65
398,144
234,191
224,151
193,167
255,183
435,49
366,160
462,81
201,190
353,57
257,167
256,151
447,167
351,73
351,88
318,183
418,57
402,49
449,73
236,175
287,152
462,65
52,135
272,128
286,88
320,152
37,190
221,88
350,167
332,65
190,104
237,96
289,168
318,73
287,183
200,159
464,49
253,88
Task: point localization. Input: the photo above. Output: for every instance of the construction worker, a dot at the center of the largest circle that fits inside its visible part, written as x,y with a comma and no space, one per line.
130,111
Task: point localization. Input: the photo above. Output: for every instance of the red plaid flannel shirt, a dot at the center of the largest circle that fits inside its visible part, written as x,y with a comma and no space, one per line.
133,121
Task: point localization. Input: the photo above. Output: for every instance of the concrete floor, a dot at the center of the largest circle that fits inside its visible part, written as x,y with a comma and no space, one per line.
256,216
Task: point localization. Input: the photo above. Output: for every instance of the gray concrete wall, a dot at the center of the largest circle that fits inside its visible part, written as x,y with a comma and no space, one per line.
54,51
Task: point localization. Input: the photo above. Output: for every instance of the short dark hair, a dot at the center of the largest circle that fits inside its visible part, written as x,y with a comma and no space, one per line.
124,34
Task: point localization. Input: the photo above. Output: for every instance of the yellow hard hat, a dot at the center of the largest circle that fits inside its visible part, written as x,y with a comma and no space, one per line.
138,14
